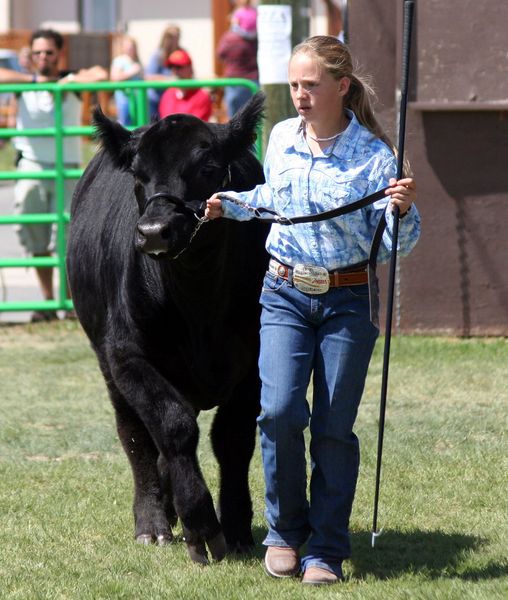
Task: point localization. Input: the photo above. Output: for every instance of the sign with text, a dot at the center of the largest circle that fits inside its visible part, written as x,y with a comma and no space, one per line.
274,25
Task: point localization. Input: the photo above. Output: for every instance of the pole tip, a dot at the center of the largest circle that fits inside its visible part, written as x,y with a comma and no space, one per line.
376,534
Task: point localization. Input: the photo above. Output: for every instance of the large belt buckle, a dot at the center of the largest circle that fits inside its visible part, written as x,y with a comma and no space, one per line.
310,279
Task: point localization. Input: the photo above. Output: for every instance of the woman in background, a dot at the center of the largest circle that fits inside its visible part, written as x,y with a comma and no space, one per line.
157,67
125,67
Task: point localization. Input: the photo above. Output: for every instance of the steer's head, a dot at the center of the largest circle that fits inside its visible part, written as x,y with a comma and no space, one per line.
177,163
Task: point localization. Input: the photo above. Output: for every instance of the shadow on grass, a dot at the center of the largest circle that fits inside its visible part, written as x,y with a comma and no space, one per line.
434,553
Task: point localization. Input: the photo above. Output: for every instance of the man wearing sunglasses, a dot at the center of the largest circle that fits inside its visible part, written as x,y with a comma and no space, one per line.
35,109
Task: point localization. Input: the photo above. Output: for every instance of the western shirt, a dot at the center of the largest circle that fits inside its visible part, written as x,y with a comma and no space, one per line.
355,165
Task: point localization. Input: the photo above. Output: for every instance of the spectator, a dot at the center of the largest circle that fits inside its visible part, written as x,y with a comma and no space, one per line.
157,67
36,110
126,67
237,49
193,101
25,60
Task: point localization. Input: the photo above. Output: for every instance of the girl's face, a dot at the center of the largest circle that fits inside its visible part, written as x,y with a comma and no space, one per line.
316,95
129,48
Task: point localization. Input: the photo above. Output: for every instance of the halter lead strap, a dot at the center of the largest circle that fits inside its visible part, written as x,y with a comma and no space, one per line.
330,214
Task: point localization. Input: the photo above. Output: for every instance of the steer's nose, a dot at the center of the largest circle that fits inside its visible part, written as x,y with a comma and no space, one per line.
152,237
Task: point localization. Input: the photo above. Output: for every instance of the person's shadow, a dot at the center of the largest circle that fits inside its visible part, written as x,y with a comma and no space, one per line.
436,554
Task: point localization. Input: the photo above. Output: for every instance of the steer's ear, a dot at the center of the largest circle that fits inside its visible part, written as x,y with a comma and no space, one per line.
116,141
242,127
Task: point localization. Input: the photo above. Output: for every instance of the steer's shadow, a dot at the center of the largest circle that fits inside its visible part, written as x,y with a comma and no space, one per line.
436,553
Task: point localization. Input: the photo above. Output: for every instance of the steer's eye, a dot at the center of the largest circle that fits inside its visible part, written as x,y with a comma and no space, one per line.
209,170
141,176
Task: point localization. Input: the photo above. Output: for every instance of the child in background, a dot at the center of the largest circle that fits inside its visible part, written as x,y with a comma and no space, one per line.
125,67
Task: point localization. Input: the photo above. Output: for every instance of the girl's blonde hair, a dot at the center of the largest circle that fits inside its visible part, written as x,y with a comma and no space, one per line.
335,58
170,38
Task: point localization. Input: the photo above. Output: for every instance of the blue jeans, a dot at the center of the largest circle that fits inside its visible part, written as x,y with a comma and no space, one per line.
235,96
330,337
122,107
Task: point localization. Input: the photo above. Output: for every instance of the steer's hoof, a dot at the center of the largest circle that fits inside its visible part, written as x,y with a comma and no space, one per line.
164,539
145,539
217,546
197,553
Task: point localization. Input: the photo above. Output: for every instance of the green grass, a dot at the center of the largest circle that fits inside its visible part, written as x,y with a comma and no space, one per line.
65,497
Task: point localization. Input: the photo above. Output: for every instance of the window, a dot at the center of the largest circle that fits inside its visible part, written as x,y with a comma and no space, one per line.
98,15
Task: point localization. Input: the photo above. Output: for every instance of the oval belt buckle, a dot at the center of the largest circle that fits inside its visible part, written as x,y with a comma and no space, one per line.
310,279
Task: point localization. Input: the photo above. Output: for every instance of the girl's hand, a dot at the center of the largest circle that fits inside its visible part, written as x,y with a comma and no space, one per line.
403,194
213,208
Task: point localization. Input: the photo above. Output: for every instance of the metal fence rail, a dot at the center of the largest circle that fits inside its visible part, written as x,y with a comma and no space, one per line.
139,112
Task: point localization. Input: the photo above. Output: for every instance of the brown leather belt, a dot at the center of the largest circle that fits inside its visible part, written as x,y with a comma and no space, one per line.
337,278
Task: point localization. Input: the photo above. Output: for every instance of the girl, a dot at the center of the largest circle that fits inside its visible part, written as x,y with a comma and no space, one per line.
315,308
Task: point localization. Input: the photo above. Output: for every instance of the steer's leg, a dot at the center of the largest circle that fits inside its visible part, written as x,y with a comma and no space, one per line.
167,491
150,512
233,441
172,426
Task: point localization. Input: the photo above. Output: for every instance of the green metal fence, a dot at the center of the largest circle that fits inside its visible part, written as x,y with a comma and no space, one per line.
139,109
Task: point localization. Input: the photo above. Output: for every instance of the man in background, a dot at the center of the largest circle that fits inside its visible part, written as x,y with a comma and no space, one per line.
36,110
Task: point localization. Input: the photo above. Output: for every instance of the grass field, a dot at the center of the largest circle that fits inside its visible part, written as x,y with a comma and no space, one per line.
65,497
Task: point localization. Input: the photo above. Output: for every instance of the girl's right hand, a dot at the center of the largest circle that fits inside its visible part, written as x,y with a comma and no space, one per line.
213,208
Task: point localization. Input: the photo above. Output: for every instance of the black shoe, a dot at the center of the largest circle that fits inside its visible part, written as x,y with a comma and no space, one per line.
43,316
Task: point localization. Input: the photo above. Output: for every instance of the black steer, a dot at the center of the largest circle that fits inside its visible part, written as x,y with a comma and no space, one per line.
170,305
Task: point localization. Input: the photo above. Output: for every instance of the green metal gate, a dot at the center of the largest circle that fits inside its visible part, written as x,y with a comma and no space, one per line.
139,112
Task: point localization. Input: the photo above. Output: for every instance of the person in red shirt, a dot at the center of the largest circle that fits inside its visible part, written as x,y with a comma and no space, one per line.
193,101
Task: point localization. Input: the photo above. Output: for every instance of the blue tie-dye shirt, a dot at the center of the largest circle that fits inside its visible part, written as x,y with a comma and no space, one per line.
298,183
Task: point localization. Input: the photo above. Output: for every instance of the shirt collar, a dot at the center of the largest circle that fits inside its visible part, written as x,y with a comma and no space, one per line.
345,145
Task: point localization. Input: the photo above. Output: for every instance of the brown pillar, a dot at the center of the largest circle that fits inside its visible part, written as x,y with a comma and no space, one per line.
221,10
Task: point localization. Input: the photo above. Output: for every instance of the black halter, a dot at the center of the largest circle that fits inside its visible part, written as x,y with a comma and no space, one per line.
196,207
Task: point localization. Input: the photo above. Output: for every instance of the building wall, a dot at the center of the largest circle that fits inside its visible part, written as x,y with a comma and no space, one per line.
144,20
29,14
456,280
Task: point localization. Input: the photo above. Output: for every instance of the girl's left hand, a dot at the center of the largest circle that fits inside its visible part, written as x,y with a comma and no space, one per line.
403,194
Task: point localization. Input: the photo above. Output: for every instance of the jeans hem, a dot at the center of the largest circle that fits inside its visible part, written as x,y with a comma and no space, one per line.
282,543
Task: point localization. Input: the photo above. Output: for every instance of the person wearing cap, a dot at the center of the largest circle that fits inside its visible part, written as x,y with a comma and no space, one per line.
237,50
192,101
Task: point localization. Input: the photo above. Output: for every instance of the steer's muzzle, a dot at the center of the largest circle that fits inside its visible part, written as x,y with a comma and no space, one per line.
152,238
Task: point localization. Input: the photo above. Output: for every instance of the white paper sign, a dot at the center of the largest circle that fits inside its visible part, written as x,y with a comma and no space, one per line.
274,25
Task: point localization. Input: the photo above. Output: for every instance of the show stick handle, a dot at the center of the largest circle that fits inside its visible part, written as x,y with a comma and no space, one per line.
409,7
406,53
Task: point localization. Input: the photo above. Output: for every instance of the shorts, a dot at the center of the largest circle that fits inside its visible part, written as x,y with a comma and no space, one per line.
33,196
